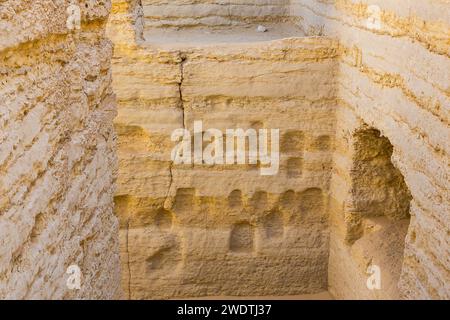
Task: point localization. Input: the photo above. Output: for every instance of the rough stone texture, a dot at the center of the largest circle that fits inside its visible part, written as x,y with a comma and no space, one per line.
223,230
365,141
395,80
358,114
56,153
213,13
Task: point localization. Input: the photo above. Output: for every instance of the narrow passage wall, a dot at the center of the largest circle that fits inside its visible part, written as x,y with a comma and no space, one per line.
57,157
394,78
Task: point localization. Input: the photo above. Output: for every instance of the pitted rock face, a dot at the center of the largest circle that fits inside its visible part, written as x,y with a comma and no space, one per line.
357,89
340,200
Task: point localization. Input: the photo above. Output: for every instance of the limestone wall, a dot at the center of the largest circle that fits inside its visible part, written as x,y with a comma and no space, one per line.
363,105
393,78
202,230
213,13
365,110
57,154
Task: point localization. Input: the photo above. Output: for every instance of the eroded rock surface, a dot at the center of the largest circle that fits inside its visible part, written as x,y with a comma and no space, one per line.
359,90
394,78
220,230
56,153
364,147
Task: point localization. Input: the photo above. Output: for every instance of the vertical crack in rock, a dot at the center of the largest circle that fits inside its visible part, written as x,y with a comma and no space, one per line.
167,201
183,58
128,258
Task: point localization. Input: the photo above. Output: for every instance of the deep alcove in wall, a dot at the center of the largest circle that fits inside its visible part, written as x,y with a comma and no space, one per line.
380,206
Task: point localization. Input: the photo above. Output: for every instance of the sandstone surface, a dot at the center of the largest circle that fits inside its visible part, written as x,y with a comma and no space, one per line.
363,109
57,153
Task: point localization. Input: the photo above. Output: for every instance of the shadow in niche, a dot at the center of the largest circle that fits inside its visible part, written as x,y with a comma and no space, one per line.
380,210
242,238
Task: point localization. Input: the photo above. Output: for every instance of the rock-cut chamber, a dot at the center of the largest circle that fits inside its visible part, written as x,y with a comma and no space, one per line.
226,230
